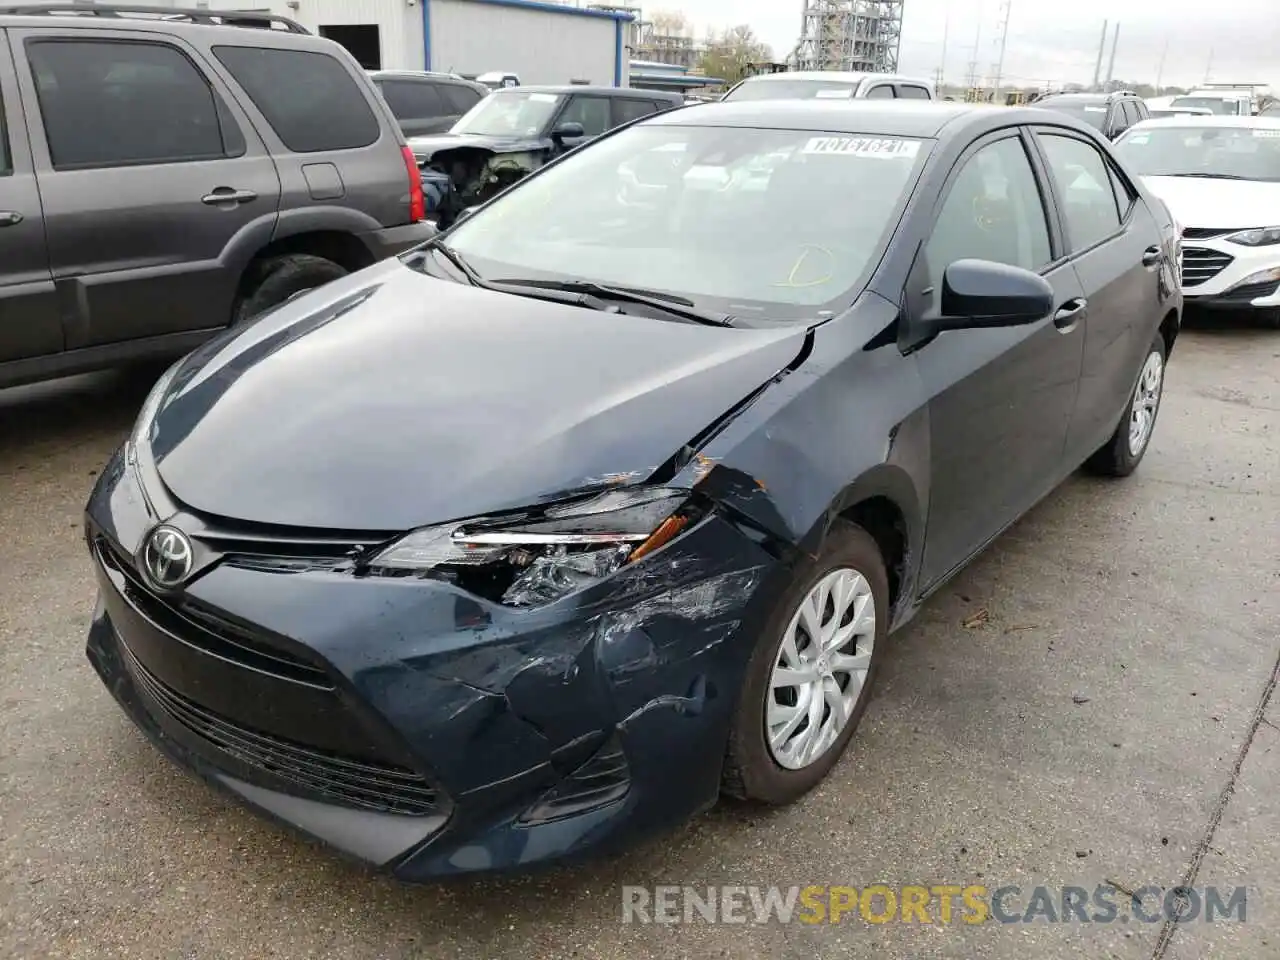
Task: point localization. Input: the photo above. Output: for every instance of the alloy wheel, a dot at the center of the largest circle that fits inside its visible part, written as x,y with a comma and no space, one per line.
821,668
1146,400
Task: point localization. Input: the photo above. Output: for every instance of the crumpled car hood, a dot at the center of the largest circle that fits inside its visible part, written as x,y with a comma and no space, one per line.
390,399
425,147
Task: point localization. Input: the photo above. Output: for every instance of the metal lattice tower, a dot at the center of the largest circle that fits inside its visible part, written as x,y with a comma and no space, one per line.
856,35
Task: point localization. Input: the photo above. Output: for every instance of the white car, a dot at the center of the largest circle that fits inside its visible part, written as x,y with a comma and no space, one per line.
1220,178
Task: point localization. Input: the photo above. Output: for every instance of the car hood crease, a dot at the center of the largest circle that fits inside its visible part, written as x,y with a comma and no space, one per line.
391,399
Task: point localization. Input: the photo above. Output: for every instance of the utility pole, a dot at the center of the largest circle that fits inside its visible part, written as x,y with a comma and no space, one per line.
1160,69
1102,47
1208,68
971,80
1006,8
1111,64
941,76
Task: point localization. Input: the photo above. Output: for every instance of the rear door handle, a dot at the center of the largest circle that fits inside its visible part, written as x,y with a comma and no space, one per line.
1151,256
228,196
10,218
1070,313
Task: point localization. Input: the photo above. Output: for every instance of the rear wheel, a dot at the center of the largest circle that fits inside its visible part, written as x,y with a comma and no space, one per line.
809,678
1121,455
274,280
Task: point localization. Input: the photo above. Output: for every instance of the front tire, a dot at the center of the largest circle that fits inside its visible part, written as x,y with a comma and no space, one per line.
1121,455
810,676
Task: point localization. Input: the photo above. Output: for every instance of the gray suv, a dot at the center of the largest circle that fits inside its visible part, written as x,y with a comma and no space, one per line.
166,173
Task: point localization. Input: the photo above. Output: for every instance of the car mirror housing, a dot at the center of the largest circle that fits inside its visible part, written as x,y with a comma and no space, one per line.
569,130
982,293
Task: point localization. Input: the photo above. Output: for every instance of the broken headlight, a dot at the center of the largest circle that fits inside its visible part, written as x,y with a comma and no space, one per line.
538,559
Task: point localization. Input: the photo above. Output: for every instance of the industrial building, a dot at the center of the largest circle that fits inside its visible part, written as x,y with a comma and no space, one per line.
541,42
853,35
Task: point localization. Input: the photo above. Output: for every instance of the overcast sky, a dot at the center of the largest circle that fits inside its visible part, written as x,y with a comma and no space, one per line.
1051,41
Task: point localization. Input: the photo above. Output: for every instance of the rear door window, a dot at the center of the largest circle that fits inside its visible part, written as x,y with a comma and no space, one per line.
310,99
1086,188
5,166
909,91
459,99
624,111
113,103
413,99
592,112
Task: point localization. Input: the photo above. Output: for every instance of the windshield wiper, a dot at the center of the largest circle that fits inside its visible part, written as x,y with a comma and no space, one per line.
673,304
460,263
1209,176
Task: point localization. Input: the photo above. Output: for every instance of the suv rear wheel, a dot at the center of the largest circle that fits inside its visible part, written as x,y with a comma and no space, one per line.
276,279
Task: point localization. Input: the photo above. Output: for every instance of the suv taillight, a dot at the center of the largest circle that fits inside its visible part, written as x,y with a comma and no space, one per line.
417,202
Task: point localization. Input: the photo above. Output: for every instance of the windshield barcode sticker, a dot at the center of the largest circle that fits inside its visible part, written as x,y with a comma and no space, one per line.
888,147
1266,133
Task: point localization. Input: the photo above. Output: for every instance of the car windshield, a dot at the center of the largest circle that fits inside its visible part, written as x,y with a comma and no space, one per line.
794,90
1093,113
509,114
805,214
1241,153
1218,105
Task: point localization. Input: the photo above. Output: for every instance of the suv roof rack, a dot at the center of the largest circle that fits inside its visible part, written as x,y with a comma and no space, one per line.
219,18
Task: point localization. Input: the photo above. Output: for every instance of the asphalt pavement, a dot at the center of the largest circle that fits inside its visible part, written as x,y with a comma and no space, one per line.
1090,704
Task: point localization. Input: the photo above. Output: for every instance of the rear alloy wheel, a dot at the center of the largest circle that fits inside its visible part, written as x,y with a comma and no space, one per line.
275,280
1124,451
809,678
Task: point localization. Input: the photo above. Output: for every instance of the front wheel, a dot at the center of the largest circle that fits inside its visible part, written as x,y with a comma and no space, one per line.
809,678
1121,455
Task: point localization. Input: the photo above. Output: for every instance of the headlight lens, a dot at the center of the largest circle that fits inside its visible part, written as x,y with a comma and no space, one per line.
538,559
1260,237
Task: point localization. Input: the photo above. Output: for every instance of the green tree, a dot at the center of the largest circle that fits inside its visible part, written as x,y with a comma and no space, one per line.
730,53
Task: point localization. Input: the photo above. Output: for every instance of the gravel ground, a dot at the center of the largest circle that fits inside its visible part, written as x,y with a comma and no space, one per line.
1088,704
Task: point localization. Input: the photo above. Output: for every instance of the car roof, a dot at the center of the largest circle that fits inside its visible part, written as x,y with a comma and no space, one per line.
599,91
161,20
1216,120
1078,97
419,75
843,76
887,118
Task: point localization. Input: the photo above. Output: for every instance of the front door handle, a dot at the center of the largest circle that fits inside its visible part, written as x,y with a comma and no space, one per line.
1151,256
228,197
1070,313
10,218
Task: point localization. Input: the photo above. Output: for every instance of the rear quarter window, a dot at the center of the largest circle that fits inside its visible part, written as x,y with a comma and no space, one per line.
310,99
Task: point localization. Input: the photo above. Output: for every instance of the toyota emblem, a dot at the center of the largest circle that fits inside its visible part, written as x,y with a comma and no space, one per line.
167,556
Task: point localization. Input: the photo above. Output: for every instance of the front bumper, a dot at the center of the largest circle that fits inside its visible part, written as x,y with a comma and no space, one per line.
419,728
1220,274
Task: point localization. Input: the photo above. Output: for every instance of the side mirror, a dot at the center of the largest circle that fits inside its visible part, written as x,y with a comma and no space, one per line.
980,293
568,131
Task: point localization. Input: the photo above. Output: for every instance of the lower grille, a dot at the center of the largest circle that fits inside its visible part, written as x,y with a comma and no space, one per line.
1251,291
347,782
1200,264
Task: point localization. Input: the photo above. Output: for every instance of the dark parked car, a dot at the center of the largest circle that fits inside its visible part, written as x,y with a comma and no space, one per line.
161,179
1111,114
537,538
514,131
427,102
